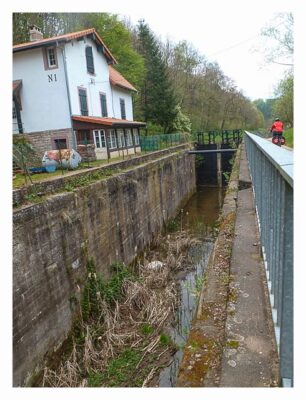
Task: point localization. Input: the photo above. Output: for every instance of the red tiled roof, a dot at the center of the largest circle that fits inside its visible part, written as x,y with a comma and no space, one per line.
17,84
106,121
65,38
117,79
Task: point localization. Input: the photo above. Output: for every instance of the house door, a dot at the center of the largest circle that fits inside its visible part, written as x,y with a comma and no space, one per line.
100,144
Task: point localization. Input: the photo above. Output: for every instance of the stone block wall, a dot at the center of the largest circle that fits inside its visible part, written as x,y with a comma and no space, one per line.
109,220
42,141
87,152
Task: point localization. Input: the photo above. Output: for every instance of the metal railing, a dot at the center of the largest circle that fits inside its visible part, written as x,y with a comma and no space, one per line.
271,169
160,142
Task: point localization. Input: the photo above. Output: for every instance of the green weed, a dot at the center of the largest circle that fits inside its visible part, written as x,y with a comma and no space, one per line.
147,329
95,379
96,288
120,371
165,340
172,225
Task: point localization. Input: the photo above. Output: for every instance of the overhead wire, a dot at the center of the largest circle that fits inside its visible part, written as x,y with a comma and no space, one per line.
240,43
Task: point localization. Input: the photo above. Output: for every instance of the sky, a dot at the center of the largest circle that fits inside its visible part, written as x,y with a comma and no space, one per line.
229,38
224,31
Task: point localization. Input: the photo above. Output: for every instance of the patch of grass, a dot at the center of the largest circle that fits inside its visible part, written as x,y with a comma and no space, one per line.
95,379
120,371
165,340
289,137
95,288
112,289
31,197
172,225
147,329
19,180
85,180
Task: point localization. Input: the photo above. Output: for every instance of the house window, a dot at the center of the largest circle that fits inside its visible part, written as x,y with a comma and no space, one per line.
83,101
99,138
103,104
129,140
136,137
121,141
51,57
111,140
84,137
60,143
122,109
89,60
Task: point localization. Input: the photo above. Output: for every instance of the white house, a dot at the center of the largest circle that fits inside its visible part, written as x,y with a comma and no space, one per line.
66,93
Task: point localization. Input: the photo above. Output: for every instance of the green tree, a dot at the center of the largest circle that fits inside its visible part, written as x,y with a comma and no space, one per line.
266,108
183,62
21,24
158,103
181,122
51,24
283,106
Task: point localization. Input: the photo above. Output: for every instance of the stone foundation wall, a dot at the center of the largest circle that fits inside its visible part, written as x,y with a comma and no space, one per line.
87,152
109,220
42,141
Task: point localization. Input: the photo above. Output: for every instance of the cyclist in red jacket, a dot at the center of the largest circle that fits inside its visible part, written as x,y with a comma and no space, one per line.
277,128
277,132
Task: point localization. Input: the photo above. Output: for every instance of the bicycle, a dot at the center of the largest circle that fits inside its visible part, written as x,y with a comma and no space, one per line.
278,139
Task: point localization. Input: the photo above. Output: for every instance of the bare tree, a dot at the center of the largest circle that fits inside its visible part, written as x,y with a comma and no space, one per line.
279,47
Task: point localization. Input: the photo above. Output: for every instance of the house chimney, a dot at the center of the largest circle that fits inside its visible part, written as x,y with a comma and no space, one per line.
35,33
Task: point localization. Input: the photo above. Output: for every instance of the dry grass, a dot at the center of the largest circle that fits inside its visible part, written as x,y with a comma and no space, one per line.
150,300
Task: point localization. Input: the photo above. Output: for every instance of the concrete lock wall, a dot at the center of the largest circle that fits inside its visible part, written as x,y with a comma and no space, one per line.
110,220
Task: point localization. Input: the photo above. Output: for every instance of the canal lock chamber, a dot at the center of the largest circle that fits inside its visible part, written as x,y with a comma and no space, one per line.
200,218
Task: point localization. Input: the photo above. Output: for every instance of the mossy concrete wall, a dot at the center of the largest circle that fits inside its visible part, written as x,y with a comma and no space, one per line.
109,220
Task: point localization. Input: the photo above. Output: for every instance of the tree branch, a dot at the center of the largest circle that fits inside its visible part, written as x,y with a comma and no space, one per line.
276,62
